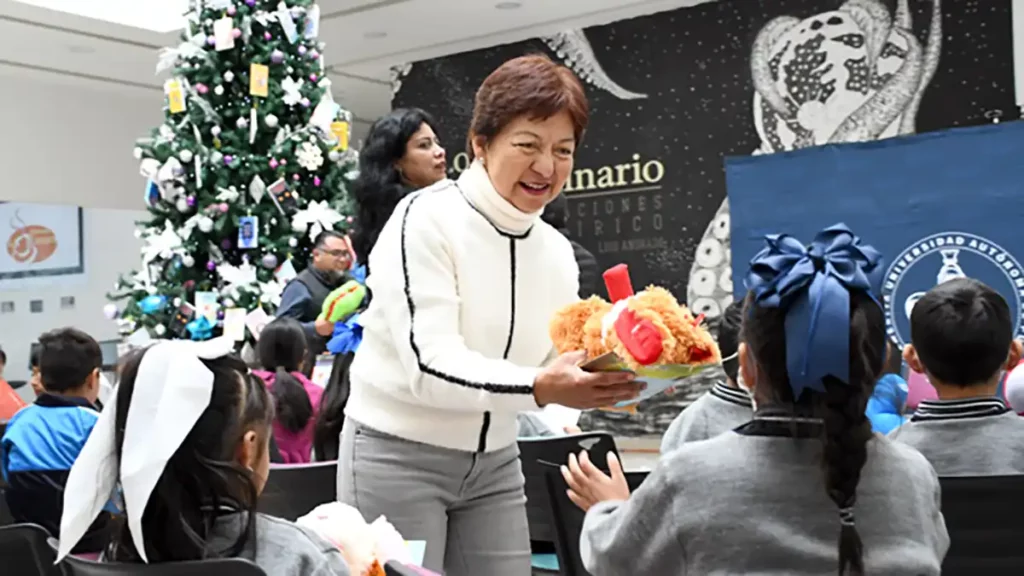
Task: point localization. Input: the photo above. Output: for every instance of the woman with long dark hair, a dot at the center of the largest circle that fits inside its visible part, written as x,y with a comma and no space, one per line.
400,154
282,354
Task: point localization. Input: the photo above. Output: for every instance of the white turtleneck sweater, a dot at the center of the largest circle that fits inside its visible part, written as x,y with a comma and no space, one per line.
464,285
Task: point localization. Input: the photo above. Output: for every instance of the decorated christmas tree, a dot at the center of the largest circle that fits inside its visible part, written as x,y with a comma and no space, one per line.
250,165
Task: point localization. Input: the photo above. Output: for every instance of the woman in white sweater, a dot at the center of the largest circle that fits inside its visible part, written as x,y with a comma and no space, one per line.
465,278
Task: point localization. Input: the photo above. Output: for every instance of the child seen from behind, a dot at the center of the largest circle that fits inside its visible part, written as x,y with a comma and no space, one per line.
961,335
772,496
282,352
193,495
725,406
43,440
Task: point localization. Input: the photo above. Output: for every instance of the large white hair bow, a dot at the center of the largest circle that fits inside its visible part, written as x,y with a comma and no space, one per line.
172,390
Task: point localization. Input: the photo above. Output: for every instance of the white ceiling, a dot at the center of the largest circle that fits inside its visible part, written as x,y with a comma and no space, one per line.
38,40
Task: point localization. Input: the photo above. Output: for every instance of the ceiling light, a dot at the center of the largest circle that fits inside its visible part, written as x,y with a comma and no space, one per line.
375,35
162,16
508,5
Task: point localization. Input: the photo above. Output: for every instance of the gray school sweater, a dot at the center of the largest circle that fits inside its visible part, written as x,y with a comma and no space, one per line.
281,548
741,504
718,410
973,437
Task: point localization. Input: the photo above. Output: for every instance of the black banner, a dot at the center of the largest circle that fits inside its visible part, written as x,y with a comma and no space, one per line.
674,92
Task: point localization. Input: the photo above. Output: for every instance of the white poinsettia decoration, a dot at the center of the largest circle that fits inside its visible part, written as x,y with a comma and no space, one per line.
309,156
292,90
318,216
237,277
270,292
164,244
229,194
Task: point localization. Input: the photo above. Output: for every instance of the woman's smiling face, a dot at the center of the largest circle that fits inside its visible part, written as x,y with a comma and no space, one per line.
529,160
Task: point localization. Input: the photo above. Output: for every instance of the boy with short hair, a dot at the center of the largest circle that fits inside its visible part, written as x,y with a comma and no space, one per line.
43,440
961,336
726,405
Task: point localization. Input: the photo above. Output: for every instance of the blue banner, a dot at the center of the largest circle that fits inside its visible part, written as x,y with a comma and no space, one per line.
938,206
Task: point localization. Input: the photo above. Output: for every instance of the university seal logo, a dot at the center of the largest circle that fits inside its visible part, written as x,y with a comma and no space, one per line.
941,257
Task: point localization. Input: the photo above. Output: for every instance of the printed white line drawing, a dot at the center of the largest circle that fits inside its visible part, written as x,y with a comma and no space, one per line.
575,51
845,75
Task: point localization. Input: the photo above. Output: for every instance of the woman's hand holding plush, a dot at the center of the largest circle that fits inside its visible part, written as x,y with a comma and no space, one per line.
564,382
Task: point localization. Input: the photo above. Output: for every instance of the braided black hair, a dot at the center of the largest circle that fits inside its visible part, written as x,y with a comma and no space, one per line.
841,408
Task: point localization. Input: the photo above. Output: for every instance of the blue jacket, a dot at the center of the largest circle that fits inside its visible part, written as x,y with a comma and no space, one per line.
40,444
886,405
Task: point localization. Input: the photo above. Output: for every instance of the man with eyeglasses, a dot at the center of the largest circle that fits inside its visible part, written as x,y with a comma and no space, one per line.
303,297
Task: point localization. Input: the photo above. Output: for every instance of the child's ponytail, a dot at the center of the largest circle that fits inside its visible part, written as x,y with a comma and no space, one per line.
294,410
282,350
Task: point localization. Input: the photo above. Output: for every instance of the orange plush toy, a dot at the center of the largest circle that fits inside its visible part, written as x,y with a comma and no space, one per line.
644,330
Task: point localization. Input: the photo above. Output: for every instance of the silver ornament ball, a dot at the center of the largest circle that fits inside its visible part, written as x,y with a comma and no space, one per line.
177,302
215,131
182,205
292,242
229,76
229,303
185,156
160,330
188,261
242,122
334,155
205,225
271,121
218,90
269,261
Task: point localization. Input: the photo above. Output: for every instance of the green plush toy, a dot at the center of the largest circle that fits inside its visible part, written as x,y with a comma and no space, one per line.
343,301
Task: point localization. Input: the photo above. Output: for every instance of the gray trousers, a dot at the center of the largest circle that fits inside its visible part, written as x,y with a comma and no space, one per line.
469,507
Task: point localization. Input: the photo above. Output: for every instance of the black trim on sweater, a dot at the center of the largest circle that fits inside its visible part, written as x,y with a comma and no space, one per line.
731,395
512,293
493,387
937,410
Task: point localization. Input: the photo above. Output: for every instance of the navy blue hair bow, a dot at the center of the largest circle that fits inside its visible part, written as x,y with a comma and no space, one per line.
813,285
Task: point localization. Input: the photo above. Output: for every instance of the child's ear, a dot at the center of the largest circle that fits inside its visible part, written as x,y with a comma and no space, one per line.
1013,358
249,449
910,357
748,370
92,381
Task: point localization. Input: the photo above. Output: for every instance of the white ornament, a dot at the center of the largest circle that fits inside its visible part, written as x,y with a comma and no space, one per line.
185,156
318,216
334,155
137,153
110,311
271,121
159,329
218,90
309,156
137,233
292,242
166,132
229,76
215,131
241,122
176,302
188,261
182,205
229,303
163,244
270,292
205,224
229,194
243,276
291,88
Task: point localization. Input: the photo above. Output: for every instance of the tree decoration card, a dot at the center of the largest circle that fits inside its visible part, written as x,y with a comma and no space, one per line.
175,95
259,77
223,36
234,323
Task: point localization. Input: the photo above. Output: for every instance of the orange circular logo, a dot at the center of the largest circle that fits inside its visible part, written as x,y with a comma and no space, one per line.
32,243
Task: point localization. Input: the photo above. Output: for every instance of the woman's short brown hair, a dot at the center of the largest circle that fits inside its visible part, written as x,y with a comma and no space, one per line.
532,85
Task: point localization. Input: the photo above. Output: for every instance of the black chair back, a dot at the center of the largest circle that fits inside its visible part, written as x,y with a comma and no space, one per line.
396,569
24,551
985,520
553,450
293,490
219,566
